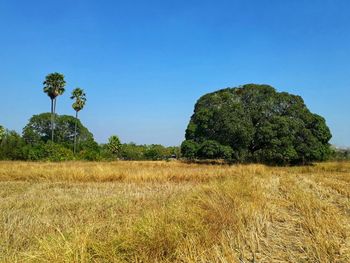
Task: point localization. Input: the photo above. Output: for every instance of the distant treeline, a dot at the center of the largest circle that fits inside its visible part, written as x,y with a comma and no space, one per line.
34,144
341,154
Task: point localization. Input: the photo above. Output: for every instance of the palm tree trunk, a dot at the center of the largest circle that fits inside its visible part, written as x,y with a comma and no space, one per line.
52,112
75,132
53,118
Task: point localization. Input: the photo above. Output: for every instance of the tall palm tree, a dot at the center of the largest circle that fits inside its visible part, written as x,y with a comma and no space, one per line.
79,96
54,86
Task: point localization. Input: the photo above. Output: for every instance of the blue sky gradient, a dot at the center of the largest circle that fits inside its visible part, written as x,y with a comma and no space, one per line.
143,64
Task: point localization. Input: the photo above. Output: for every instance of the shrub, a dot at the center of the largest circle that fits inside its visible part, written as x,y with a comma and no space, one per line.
131,151
11,146
56,152
156,152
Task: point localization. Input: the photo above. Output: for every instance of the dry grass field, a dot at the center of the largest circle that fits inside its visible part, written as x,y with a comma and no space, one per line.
173,212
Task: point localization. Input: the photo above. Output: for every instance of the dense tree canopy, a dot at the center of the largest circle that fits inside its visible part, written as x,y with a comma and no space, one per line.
38,130
11,145
256,123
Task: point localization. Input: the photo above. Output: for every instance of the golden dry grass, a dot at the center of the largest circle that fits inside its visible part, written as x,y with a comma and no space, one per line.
173,212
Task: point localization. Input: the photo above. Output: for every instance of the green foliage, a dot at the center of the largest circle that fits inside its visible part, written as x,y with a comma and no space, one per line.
157,152
226,152
189,149
38,131
57,152
2,133
114,145
79,97
89,150
175,151
89,155
54,85
36,135
34,152
258,124
341,154
47,152
209,150
132,151
11,146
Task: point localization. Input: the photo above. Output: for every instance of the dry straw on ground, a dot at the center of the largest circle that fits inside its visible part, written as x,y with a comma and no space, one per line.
173,212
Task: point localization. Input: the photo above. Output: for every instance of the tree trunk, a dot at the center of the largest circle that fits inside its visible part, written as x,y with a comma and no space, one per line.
53,118
52,112
75,132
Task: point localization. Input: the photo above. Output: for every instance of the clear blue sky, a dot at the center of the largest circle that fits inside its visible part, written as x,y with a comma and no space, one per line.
144,64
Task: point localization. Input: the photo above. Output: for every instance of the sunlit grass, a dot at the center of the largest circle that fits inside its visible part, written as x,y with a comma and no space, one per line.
173,212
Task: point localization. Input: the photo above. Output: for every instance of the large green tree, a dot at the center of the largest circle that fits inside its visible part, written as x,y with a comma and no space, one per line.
54,86
38,130
258,124
79,97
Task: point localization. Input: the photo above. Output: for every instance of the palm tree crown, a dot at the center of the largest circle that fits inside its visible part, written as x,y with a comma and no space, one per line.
80,99
54,85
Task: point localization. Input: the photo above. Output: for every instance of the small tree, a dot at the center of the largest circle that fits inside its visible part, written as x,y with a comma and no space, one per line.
80,99
54,86
114,145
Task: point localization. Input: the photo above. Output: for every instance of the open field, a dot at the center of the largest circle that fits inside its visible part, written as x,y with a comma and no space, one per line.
173,212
